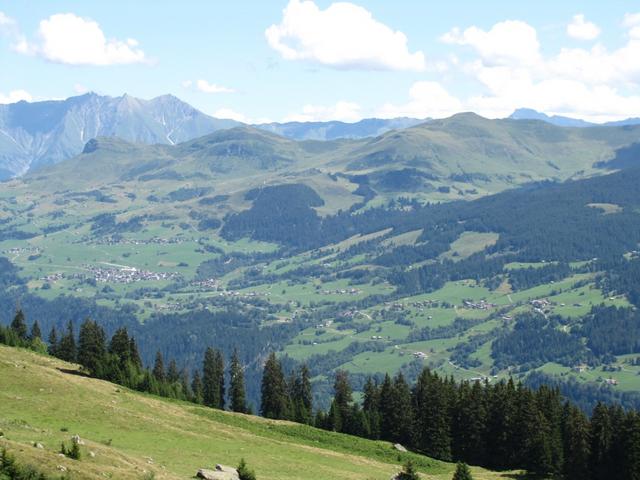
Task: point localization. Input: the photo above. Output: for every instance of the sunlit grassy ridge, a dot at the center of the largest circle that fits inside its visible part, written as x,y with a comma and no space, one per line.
44,400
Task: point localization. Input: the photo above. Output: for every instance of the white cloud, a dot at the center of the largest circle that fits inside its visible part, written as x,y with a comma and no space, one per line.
508,42
206,87
344,35
6,21
342,111
228,113
69,39
15,96
631,20
426,99
581,29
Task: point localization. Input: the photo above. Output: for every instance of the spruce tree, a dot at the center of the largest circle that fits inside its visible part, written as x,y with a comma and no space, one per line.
220,384
302,397
119,346
91,348
66,349
173,375
274,402
134,354
212,378
53,342
432,422
462,472
197,388
341,406
409,472
576,444
19,326
237,390
371,407
36,333
601,443
158,368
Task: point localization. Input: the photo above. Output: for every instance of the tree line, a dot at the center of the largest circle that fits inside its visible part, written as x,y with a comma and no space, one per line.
499,426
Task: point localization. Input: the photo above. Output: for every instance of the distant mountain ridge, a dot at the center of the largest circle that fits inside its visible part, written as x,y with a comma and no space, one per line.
44,133
333,130
561,121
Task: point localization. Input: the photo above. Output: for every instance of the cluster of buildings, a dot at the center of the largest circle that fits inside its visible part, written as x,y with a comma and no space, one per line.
342,291
479,305
128,274
541,305
117,240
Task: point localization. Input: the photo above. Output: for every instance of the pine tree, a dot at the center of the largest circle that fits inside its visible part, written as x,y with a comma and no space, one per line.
197,388
244,473
219,366
432,422
371,407
213,379
119,346
341,405
576,444
274,402
134,354
91,348
409,472
302,397
601,463
158,368
19,326
66,349
173,375
469,423
462,472
36,333
187,393
237,390
53,342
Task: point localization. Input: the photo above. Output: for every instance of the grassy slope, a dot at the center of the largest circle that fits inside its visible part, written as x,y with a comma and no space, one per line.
131,433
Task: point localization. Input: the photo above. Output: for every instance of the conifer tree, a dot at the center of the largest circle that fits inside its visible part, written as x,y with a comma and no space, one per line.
53,342
409,472
219,369
341,406
19,325
91,348
36,333
371,407
601,443
274,402
237,390
197,388
173,375
432,422
462,472
134,354
302,397
213,379
66,349
119,345
576,444
184,383
158,367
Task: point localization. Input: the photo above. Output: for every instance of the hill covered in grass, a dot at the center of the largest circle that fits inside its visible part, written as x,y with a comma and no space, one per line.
128,435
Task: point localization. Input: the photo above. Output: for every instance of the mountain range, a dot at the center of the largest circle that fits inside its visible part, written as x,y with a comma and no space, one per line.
34,135
562,121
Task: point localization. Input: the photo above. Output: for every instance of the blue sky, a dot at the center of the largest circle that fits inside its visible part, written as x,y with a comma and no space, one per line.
294,59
